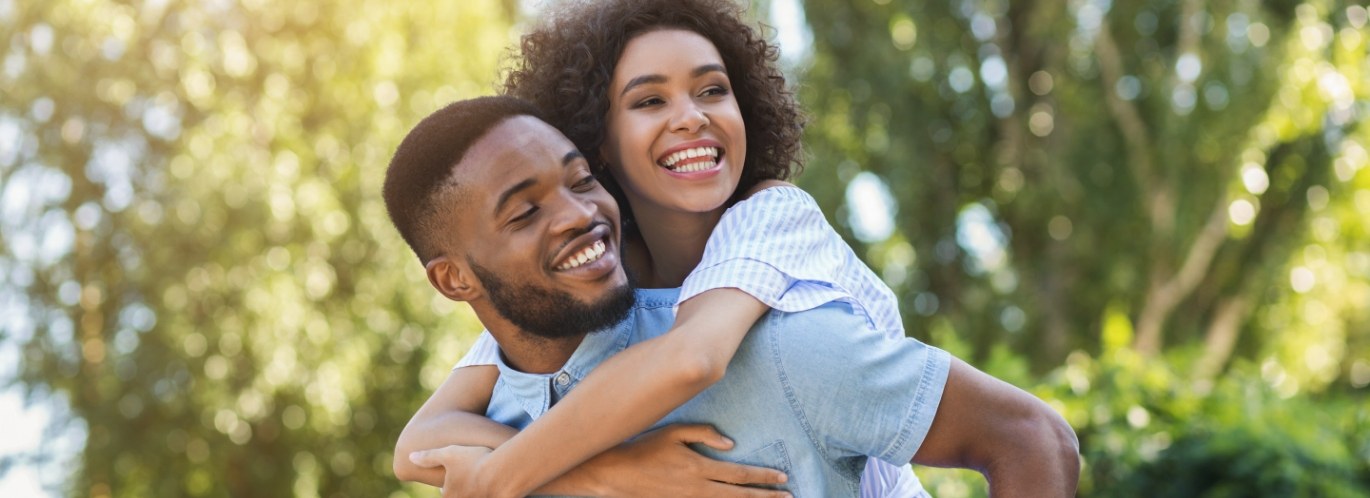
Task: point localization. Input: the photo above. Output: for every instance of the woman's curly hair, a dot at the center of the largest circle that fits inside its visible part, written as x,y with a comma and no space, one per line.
567,64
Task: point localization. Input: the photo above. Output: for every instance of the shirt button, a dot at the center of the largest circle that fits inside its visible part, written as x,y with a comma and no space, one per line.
563,379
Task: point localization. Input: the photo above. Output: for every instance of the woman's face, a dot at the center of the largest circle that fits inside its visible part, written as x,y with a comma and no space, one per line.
675,137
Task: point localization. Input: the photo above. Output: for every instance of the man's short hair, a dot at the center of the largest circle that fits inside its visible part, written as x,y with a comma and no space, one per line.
422,168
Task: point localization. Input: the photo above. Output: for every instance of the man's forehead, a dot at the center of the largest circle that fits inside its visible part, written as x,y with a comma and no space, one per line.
514,151
521,136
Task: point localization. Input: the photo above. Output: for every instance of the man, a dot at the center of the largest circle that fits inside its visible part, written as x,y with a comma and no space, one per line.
495,203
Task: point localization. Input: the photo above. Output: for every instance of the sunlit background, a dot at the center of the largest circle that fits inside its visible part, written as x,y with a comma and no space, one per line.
1153,214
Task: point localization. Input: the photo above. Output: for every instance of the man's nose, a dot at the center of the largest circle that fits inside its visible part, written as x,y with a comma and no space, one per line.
574,213
689,118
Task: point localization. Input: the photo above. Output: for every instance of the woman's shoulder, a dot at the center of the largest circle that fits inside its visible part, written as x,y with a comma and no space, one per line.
768,185
773,211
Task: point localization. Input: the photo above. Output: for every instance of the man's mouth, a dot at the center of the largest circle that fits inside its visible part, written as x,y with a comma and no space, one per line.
588,254
691,160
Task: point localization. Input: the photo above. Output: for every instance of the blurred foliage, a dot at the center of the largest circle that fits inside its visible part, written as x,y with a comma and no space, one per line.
192,217
1152,214
1169,198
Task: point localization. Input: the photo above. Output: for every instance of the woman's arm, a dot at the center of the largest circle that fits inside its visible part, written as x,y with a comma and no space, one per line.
659,463
450,427
622,397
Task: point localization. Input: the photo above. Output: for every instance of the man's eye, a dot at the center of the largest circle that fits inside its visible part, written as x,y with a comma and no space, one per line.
524,216
585,183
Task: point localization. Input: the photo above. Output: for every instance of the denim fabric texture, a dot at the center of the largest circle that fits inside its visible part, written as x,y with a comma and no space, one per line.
812,393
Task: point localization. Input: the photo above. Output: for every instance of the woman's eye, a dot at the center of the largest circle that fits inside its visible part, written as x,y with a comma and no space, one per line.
650,101
714,91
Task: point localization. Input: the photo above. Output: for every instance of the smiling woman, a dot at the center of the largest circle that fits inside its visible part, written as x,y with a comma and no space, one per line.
676,141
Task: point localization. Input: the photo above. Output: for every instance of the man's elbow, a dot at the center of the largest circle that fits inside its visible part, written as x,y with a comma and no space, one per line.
405,470
1050,439
1061,439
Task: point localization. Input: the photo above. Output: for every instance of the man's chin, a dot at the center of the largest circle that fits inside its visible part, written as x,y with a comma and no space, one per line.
552,312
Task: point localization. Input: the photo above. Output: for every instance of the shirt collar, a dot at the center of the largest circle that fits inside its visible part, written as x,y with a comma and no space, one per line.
537,392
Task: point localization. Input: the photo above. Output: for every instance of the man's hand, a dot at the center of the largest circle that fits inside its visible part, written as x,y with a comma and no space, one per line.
658,463
454,459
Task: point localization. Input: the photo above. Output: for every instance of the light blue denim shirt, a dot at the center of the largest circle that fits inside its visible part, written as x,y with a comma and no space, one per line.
812,393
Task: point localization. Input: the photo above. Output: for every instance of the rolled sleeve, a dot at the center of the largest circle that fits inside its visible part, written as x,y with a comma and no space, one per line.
777,247
858,392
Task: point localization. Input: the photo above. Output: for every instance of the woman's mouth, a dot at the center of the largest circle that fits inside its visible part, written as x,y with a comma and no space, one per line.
692,159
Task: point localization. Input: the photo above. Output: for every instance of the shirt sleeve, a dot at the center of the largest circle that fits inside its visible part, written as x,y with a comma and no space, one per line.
484,352
776,246
861,392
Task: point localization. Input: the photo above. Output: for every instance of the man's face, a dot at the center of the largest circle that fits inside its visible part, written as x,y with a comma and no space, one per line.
539,233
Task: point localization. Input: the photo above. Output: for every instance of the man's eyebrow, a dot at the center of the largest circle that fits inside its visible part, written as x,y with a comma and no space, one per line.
571,157
657,78
504,196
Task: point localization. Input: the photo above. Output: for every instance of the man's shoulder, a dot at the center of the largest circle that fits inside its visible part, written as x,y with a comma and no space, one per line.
833,330
830,318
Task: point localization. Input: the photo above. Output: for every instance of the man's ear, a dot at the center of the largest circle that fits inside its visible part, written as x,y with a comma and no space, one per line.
453,278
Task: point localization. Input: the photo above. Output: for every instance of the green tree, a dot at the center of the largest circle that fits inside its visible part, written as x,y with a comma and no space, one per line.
194,231
1165,157
1176,189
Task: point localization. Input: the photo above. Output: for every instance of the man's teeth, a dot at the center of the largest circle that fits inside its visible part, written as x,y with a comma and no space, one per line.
709,152
586,255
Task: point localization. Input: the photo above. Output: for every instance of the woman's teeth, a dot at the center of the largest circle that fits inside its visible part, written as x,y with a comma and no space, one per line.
586,255
693,167
710,153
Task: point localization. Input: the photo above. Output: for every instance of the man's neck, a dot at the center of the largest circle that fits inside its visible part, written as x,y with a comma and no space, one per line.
530,353
525,351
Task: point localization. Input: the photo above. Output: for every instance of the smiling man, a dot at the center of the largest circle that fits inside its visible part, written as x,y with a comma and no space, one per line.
505,215
460,190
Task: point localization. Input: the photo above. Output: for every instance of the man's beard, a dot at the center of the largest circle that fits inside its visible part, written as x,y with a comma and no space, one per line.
551,313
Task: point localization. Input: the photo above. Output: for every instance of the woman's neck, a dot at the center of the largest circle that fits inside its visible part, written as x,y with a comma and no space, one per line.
674,242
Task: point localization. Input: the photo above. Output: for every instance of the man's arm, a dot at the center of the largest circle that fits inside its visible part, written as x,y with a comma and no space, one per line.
659,463
654,463
1022,446
454,414
899,400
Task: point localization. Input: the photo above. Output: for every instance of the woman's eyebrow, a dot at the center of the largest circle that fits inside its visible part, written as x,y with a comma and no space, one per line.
657,78
641,80
708,68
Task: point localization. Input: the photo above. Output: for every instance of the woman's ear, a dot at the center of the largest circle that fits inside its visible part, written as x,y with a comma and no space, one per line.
603,159
453,278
